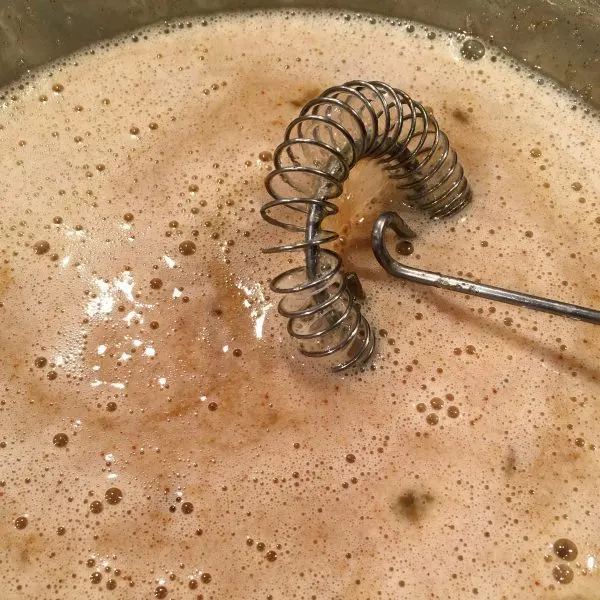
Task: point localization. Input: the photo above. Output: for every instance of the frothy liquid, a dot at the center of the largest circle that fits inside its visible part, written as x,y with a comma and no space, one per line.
160,435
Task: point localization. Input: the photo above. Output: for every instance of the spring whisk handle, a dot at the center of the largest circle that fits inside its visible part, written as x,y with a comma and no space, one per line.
393,221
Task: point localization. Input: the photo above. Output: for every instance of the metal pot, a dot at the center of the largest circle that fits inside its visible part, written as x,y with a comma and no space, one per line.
561,38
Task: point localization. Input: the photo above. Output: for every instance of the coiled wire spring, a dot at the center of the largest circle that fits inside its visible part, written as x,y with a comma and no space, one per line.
332,133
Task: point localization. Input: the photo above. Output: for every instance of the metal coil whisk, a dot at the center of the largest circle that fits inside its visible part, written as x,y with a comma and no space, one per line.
333,132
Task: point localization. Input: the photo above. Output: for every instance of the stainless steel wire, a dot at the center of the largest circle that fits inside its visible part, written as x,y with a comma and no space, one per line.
333,132
393,222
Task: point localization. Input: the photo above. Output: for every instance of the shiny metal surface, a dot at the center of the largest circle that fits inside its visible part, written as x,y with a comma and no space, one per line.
392,221
334,131
561,37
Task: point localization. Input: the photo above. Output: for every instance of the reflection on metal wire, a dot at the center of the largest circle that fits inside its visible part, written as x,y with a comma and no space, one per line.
333,132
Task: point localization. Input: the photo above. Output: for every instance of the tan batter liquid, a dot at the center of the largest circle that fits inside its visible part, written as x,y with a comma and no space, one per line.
160,435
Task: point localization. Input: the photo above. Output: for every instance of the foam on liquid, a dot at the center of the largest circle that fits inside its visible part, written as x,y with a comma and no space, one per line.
160,435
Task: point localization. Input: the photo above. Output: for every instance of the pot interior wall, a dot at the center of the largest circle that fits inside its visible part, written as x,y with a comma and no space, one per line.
561,38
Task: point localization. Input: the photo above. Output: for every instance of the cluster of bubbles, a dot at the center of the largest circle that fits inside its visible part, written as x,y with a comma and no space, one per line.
147,381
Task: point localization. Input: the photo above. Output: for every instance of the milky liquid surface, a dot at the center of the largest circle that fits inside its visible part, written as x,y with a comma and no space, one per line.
161,436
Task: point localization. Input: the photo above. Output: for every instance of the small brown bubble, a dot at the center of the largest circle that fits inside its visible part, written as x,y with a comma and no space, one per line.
436,403
237,352
206,577
212,406
193,584
154,325
96,577
153,125
576,186
579,442
405,248
271,556
156,283
470,349
453,412
60,440
43,98
432,419
41,247
134,130
421,407
78,108
51,375
460,115
260,546
58,88
111,406
90,562
173,224
535,152
265,156
128,217
161,592
193,188
563,573
21,522
40,362
113,495
187,248
565,549
187,508
350,458
96,507
57,220
111,584
61,531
